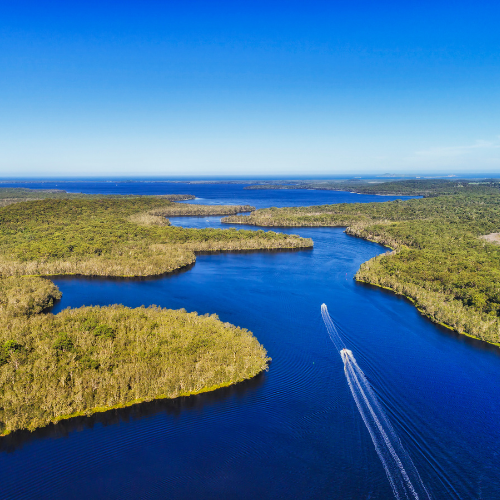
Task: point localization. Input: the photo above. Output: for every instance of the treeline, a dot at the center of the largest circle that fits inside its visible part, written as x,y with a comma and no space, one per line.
17,195
439,261
176,197
91,359
8,196
157,216
106,236
27,194
30,194
179,209
416,187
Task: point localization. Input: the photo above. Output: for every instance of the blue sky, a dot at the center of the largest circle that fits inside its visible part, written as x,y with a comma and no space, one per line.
249,88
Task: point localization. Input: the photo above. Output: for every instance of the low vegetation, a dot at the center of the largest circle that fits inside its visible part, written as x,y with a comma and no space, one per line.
439,260
91,359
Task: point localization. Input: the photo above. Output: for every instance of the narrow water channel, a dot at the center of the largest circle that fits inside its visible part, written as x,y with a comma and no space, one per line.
295,431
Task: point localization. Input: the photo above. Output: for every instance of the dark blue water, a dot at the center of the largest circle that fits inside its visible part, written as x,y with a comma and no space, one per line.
295,431
208,193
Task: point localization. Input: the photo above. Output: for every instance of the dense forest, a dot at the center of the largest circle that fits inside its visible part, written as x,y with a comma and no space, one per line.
26,295
91,359
17,195
439,259
412,187
115,236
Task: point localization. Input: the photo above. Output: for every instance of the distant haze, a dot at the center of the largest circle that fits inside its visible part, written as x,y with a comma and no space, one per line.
248,88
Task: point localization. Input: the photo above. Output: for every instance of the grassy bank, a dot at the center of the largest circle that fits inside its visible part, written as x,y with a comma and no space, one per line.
93,358
440,260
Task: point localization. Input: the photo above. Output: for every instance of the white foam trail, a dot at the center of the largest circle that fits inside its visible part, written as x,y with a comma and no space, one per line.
332,330
401,472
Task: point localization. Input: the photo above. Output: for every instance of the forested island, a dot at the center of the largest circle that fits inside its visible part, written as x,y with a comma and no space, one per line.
439,258
92,359
95,358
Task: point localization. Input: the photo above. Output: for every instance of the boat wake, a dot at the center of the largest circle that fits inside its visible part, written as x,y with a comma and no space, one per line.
401,472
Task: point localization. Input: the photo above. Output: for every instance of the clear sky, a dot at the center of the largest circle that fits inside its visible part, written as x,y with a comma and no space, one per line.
249,87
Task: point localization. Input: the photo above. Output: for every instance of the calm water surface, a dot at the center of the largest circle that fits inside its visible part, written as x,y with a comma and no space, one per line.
293,432
216,194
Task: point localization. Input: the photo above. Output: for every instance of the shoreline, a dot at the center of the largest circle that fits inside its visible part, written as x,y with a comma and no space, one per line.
422,312
103,409
355,234
173,271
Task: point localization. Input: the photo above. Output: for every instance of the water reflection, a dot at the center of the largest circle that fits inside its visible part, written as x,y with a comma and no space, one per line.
170,407
465,339
71,277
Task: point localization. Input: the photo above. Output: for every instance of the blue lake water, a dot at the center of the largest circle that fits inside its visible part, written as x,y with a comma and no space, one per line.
295,431
207,193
